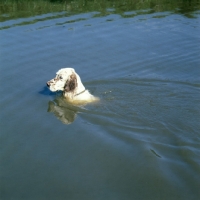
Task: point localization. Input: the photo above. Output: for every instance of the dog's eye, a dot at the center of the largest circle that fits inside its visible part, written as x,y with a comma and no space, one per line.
61,77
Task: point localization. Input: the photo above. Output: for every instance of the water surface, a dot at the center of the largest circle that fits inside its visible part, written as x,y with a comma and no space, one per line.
141,141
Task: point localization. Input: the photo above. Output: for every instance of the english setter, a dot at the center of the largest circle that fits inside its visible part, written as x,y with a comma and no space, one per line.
68,81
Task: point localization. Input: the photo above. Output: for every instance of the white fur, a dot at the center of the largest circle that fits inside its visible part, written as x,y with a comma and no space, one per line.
64,78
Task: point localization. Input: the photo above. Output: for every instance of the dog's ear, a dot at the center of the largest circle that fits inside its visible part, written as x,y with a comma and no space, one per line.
71,84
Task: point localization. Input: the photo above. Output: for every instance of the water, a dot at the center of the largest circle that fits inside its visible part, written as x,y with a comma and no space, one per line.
141,141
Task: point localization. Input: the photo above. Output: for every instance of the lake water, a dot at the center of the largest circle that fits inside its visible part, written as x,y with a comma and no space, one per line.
140,141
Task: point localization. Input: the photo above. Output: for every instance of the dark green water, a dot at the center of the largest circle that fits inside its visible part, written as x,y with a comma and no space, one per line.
141,141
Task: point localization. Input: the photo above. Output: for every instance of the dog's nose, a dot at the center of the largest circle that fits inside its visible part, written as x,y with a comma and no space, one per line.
48,84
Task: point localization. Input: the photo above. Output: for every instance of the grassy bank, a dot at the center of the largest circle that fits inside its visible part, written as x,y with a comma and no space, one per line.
10,9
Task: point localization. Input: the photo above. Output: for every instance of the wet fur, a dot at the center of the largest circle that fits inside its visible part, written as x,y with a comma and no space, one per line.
68,81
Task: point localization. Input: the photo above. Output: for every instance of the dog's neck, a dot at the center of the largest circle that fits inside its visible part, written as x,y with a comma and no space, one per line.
80,93
80,87
74,95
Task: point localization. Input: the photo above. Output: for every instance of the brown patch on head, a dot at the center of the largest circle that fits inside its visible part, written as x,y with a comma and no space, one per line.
71,84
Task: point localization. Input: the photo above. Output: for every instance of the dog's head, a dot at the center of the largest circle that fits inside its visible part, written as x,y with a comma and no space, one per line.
65,80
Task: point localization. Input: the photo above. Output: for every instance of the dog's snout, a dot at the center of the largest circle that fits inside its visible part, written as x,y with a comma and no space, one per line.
48,84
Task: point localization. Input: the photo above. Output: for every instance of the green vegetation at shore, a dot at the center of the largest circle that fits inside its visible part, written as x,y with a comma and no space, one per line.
11,9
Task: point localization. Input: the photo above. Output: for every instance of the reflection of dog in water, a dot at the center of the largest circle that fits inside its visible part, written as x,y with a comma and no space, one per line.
65,112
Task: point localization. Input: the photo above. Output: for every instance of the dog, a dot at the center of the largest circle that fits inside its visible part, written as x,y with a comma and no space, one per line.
68,81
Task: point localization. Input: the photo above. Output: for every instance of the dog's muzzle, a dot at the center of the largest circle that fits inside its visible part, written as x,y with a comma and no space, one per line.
48,84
